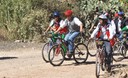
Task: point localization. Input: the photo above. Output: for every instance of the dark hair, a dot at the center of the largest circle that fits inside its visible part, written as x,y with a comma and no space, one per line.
105,21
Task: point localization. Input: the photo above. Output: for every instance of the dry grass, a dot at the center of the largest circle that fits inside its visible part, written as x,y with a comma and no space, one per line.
3,34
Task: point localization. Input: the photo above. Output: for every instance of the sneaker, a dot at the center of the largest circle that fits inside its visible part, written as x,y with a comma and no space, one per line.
69,55
109,68
108,65
67,58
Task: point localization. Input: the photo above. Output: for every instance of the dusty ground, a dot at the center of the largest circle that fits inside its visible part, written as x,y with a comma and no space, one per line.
24,60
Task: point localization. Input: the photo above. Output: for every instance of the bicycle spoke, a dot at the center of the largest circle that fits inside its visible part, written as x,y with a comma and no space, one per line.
45,51
80,53
56,55
117,52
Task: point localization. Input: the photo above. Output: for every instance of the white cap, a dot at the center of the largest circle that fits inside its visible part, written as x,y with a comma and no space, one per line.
102,16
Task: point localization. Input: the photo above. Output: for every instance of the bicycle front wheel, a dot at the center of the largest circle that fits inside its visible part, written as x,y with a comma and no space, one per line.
45,51
56,55
80,54
97,65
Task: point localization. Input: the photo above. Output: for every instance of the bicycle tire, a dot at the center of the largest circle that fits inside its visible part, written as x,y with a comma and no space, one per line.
80,54
56,50
97,72
123,51
91,45
45,51
116,54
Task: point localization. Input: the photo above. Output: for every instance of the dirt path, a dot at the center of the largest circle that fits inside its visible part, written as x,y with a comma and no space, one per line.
26,62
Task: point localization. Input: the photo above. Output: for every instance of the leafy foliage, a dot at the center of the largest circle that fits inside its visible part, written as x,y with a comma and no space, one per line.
88,9
27,19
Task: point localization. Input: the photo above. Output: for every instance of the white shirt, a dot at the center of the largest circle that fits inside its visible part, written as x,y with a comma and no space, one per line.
53,22
66,22
114,26
103,30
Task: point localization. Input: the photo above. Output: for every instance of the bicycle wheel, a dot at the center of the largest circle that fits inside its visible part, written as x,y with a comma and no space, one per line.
97,65
80,54
92,47
45,51
123,50
56,55
117,56
108,65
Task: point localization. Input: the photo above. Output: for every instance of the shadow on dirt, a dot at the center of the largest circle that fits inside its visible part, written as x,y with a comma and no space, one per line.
126,57
116,68
89,62
86,63
119,66
6,58
77,64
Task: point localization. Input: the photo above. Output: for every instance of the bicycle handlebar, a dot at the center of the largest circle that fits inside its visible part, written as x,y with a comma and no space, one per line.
100,39
103,40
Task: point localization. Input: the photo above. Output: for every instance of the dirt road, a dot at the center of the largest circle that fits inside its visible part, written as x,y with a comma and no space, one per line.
25,61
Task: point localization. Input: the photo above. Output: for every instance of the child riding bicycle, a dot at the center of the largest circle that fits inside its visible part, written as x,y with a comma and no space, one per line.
54,25
104,31
75,26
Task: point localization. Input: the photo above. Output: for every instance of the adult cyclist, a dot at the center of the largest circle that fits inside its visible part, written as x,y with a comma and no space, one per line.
75,26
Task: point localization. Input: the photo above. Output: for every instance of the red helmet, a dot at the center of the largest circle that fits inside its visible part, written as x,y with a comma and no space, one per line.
68,13
116,15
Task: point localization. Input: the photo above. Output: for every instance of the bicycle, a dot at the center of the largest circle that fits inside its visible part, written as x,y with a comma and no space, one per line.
124,45
46,47
120,49
101,59
58,52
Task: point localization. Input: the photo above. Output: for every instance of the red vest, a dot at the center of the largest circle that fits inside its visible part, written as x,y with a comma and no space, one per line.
63,30
112,41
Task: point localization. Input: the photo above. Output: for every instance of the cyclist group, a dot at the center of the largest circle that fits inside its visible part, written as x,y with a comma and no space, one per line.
71,26
107,29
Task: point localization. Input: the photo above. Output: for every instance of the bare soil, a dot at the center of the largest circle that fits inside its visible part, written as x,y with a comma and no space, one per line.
24,60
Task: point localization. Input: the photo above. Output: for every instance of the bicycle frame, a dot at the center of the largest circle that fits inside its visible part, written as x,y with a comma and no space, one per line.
48,45
101,59
98,58
100,50
63,45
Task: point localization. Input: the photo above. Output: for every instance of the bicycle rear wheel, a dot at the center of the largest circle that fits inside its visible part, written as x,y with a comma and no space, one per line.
117,56
97,65
56,55
108,65
123,50
45,51
80,54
